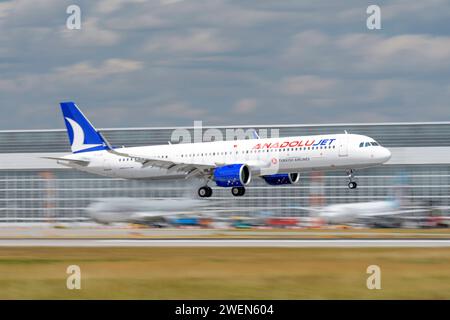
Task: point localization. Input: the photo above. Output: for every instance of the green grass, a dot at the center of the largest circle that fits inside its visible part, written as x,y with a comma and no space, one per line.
224,273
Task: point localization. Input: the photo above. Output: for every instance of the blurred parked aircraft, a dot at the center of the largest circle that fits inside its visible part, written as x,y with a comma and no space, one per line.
133,210
381,213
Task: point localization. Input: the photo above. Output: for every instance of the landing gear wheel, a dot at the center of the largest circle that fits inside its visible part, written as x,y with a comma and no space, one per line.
351,175
352,185
238,191
205,192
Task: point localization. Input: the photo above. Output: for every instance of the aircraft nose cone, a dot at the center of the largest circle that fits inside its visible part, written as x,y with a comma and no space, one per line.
386,154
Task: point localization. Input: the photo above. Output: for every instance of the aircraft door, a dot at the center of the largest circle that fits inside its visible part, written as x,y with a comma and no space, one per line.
343,146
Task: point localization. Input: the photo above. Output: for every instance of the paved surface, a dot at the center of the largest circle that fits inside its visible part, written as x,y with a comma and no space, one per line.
99,231
221,243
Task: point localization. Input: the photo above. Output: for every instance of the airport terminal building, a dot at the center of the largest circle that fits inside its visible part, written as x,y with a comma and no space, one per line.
37,189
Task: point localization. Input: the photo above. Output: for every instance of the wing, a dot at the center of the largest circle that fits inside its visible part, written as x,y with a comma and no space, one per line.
189,169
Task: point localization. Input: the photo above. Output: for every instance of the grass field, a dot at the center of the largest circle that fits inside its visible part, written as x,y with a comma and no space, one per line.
224,273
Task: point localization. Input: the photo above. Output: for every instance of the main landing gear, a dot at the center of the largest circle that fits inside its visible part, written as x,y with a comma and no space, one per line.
351,184
205,192
238,191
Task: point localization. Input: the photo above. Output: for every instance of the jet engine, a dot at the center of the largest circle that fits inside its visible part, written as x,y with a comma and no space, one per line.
282,178
233,175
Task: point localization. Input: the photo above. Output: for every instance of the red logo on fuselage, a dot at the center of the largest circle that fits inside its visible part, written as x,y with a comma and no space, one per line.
295,143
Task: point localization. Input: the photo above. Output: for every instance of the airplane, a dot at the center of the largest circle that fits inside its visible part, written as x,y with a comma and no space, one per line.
372,211
228,164
134,210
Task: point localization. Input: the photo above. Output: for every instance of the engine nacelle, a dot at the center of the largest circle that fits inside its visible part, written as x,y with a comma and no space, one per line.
233,175
282,178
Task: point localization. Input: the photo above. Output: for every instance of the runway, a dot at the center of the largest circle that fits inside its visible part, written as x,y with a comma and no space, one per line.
95,231
253,243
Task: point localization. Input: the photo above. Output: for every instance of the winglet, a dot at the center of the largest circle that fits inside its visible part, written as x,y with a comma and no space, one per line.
255,134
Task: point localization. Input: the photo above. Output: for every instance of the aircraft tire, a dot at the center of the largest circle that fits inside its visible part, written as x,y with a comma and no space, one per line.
352,185
238,191
205,192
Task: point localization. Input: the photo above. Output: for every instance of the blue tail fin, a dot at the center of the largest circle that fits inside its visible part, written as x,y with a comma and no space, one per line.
82,134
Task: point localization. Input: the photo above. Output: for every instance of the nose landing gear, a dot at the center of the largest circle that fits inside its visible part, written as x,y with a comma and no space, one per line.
351,184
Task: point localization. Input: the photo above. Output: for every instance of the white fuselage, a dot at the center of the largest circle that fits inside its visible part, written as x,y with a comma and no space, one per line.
275,155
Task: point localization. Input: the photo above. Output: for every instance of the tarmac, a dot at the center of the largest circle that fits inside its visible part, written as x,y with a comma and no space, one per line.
95,231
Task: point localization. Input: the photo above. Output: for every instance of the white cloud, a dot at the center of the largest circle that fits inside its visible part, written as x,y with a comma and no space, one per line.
106,68
364,52
178,110
7,85
306,85
82,73
90,34
414,9
245,106
409,52
110,6
6,9
169,2
194,41
25,11
142,20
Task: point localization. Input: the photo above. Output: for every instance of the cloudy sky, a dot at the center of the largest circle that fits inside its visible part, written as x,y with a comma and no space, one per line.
170,62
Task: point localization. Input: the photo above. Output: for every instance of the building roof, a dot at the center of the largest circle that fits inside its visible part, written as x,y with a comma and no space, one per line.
425,134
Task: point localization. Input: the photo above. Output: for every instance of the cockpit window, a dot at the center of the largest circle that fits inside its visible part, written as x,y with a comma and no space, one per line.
368,144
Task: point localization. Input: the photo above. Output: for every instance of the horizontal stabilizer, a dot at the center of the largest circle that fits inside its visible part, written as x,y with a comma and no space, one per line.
83,163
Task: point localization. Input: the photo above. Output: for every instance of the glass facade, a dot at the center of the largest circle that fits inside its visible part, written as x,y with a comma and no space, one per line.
63,194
